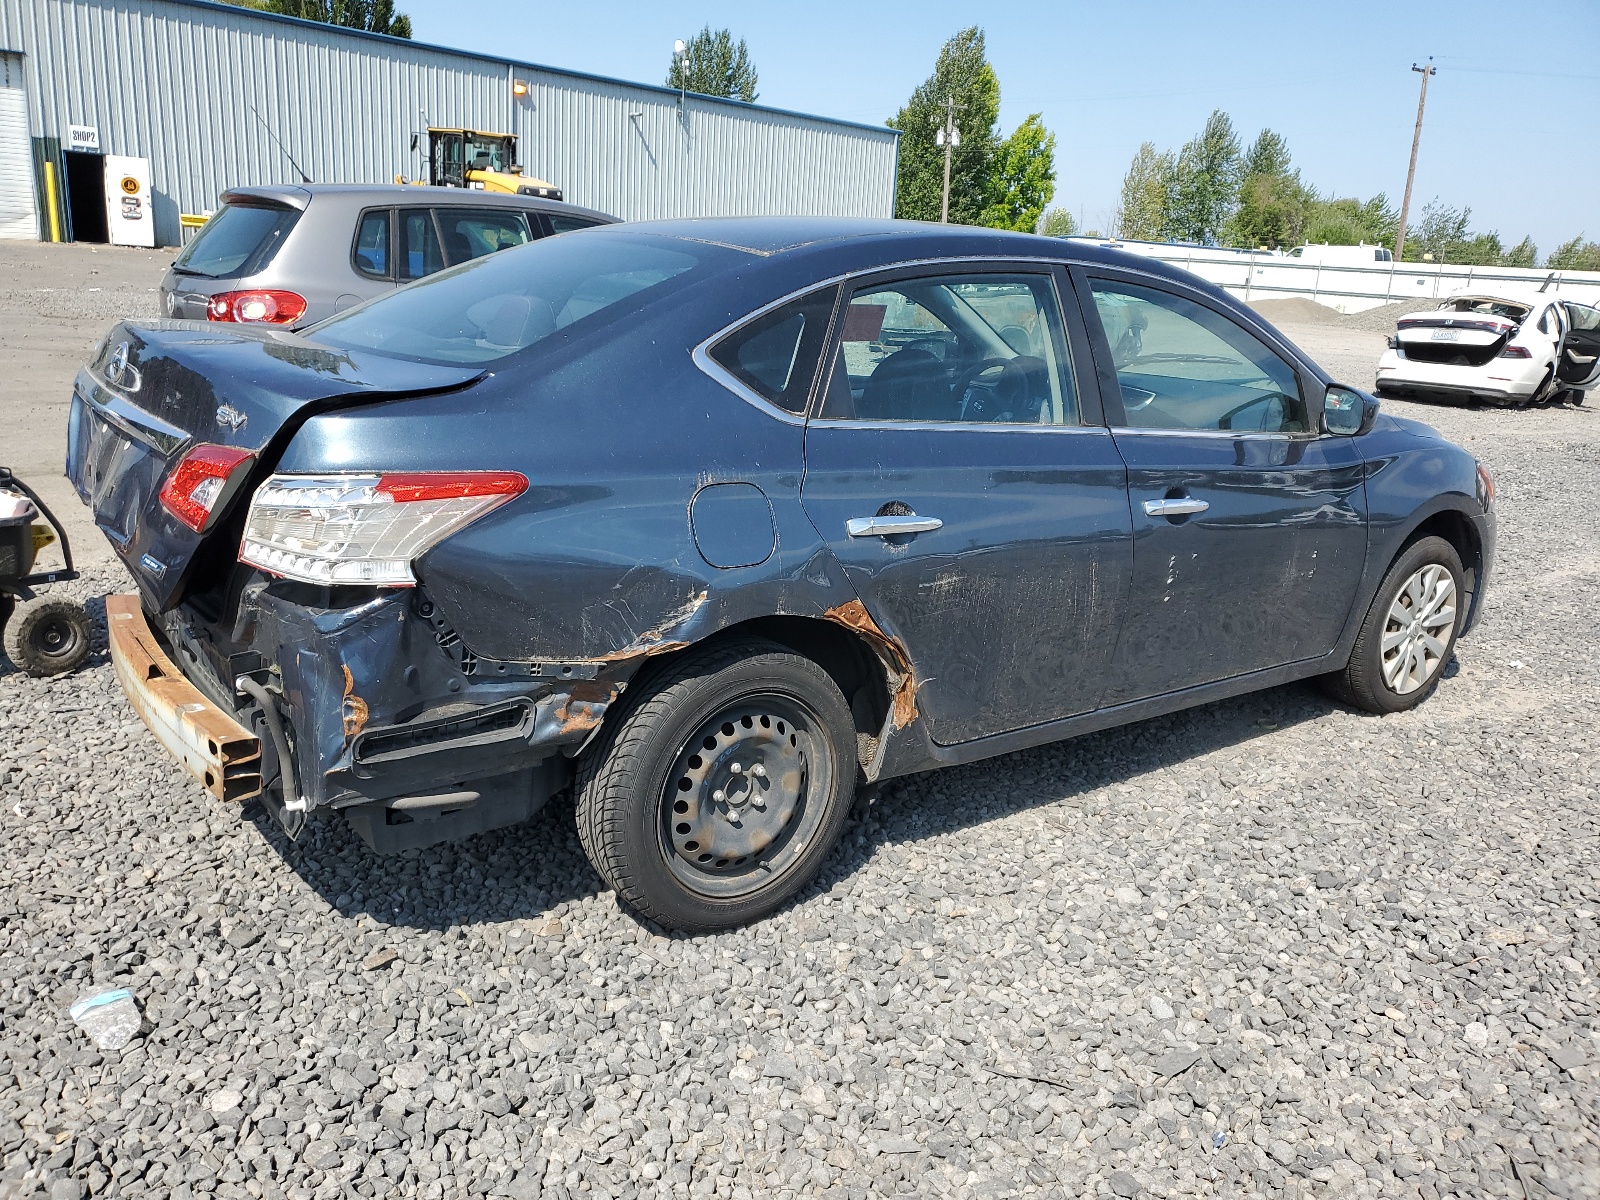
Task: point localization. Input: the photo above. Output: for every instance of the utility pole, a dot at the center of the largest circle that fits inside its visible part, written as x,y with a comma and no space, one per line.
1411,171
949,137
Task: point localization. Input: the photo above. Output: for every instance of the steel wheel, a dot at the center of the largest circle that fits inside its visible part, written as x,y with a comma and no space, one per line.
717,790
1416,637
739,807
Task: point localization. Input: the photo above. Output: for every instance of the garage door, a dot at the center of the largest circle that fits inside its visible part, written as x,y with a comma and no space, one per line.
18,216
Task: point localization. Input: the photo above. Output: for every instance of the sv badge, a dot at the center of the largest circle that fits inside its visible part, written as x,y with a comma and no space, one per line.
231,417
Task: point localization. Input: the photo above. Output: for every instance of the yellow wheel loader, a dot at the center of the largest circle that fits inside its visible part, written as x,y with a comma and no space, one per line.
465,158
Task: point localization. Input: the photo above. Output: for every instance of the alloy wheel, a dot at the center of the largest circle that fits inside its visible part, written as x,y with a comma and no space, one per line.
1416,637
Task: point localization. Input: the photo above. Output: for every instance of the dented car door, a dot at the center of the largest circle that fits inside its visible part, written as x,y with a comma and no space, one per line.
1250,526
957,468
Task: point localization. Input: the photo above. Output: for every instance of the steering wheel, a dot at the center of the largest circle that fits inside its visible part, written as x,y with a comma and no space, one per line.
1008,393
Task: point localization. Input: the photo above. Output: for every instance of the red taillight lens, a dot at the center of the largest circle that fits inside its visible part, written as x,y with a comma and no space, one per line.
402,487
1485,488
1516,352
202,482
262,305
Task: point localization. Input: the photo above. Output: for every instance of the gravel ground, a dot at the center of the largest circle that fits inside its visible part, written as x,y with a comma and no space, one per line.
1267,947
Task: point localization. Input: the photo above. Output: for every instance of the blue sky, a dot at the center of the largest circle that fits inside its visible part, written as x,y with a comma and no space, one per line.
1511,128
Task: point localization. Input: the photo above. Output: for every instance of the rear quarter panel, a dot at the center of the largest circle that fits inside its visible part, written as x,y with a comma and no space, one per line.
597,560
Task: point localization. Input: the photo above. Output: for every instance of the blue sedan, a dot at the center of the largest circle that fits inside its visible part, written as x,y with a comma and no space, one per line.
721,522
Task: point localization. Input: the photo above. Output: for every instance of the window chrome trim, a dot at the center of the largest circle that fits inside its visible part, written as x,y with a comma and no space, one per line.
701,354
1233,435
987,426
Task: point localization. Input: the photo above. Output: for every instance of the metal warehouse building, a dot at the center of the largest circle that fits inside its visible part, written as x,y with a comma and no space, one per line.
215,96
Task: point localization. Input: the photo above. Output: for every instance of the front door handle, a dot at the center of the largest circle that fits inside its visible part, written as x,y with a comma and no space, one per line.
889,526
1174,506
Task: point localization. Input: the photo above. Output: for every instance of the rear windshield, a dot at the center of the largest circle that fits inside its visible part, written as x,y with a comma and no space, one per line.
497,305
239,240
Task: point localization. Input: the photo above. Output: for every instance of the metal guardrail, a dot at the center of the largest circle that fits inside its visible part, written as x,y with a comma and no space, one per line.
1350,288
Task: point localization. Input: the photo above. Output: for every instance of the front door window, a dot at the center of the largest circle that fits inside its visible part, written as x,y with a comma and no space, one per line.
1181,365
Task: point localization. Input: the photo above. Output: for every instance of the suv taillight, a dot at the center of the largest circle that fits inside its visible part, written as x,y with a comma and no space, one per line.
365,529
266,305
204,480
1516,352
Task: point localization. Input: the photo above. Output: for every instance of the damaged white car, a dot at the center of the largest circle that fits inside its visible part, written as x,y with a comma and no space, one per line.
1495,350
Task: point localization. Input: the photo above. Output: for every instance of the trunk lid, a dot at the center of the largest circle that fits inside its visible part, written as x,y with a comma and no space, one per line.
1454,338
156,389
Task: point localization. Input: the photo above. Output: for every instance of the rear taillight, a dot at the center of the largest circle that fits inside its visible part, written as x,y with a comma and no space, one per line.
268,305
1485,488
364,529
203,482
1516,352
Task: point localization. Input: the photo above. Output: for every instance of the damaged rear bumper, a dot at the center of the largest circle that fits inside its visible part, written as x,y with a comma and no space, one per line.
390,720
218,751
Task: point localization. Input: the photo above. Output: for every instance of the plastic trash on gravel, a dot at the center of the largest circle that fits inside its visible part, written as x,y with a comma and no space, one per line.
110,1018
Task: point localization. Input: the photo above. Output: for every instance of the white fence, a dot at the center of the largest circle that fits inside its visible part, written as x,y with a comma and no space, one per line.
1260,275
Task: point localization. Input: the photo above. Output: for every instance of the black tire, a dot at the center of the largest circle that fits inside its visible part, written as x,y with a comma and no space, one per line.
1363,683
49,635
666,771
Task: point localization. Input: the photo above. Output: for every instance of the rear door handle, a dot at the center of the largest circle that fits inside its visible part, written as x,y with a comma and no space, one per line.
1177,506
889,526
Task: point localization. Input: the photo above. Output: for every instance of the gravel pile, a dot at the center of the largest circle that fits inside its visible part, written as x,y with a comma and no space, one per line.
1265,948
1383,318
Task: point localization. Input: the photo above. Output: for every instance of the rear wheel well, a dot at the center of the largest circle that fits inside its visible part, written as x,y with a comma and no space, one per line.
845,655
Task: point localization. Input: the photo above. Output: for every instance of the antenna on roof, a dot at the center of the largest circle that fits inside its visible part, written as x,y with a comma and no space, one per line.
304,178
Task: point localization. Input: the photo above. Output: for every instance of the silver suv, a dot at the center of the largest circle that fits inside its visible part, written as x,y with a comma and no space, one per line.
294,256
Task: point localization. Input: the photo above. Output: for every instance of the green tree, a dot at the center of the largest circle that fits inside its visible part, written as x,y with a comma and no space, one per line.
1146,195
1022,177
1576,255
1346,221
375,16
1523,254
1058,223
1272,204
1207,182
962,73
715,66
1268,155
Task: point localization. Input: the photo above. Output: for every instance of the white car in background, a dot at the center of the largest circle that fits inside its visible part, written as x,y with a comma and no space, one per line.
1494,349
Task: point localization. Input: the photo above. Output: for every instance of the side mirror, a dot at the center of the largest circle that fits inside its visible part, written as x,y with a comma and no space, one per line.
1347,412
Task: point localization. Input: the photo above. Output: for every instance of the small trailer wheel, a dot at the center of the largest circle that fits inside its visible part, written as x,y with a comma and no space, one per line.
48,636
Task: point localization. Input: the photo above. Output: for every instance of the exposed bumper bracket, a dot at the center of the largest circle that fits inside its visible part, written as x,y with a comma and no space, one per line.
217,750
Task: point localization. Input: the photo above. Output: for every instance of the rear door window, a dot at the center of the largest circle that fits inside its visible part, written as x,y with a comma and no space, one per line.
473,232
239,240
372,244
420,252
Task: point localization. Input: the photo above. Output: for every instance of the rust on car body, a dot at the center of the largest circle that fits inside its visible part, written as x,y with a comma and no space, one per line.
903,676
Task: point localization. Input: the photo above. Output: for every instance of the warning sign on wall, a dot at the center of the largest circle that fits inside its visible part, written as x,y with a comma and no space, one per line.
129,221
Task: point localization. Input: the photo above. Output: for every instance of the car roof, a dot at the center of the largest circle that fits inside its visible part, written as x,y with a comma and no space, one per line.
364,194
888,241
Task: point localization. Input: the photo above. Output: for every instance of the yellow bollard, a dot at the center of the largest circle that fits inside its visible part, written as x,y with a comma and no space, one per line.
51,201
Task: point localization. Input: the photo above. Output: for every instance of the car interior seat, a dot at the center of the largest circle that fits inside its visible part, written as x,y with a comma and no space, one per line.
909,385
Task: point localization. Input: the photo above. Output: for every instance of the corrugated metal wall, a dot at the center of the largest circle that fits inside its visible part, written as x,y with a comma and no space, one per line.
218,96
